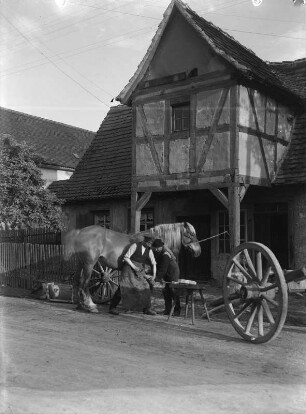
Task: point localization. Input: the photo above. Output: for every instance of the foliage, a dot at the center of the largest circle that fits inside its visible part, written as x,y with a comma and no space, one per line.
24,202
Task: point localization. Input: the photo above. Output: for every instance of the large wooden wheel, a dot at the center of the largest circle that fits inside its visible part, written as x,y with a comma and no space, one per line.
103,283
255,293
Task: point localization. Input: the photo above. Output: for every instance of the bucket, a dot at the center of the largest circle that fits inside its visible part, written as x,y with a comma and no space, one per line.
60,292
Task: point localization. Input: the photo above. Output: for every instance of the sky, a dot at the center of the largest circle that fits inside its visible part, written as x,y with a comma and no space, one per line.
65,60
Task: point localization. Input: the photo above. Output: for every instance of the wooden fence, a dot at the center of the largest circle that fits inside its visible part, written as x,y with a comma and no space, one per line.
21,263
35,236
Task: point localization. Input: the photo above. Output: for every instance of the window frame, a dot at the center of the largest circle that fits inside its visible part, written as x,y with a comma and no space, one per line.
105,213
175,107
145,223
225,238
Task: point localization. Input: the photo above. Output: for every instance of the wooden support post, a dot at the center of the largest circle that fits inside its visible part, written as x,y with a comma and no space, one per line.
233,190
234,215
136,207
135,214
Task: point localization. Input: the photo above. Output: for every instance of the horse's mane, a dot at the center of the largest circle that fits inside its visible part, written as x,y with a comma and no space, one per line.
170,234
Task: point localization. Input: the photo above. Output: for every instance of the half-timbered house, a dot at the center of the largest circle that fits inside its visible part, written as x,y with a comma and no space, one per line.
207,133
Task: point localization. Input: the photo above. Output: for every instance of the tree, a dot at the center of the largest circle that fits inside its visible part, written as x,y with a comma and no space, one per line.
24,202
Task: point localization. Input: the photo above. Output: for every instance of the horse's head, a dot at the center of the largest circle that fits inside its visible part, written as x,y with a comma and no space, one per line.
190,241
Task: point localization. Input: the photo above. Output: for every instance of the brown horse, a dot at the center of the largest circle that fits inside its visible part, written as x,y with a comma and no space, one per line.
93,242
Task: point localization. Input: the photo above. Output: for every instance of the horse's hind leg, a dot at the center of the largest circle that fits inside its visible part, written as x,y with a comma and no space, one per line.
87,302
76,283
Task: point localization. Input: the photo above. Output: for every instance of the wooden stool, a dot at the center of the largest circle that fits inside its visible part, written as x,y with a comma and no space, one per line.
189,291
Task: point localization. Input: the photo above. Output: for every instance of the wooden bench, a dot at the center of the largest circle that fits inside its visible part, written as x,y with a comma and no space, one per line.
189,291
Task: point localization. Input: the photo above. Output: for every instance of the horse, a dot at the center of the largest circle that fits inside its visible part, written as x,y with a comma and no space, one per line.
93,242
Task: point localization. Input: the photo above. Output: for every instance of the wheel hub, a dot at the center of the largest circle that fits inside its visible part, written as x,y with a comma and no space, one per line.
250,291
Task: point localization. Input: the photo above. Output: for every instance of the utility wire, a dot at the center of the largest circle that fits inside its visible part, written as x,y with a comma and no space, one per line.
54,64
73,68
99,45
255,18
114,10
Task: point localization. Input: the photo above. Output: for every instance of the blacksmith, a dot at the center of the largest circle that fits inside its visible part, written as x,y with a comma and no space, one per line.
135,285
167,271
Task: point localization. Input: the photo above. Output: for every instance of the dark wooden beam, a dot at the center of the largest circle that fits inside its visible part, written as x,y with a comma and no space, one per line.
213,128
149,137
143,200
258,133
220,196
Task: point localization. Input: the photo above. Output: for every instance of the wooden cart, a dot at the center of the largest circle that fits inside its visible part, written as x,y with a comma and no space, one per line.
254,288
255,292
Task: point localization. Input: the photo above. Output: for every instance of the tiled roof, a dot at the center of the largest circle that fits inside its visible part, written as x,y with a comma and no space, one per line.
245,62
293,168
292,74
61,146
106,168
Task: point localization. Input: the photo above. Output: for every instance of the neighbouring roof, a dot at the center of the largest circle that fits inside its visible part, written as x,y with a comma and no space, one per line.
244,61
61,146
105,170
293,168
292,74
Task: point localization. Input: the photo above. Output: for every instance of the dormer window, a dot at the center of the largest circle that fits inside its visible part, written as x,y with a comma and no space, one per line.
181,117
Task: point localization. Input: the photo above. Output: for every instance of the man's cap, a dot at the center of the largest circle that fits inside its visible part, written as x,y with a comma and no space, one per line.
157,243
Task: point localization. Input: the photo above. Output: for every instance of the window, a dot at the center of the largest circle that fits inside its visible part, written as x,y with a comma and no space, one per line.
180,117
224,239
102,218
146,219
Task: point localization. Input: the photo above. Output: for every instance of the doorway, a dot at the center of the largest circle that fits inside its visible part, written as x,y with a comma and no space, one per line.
272,230
197,268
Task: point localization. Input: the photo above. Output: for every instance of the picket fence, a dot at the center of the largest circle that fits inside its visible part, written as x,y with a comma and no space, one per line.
22,263
34,236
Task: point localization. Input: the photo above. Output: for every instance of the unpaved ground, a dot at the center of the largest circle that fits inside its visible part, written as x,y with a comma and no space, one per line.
57,360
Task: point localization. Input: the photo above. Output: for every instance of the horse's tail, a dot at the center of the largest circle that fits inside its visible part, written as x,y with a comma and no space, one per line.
69,241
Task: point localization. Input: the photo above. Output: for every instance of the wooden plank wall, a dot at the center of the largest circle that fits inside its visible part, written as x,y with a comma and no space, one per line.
21,263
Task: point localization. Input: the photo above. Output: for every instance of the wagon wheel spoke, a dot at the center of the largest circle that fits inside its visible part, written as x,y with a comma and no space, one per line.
255,293
250,320
266,275
103,283
268,312
249,262
259,265
260,320
242,270
272,301
240,282
242,310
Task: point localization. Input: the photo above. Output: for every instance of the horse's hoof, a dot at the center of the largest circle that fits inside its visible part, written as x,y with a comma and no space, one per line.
93,310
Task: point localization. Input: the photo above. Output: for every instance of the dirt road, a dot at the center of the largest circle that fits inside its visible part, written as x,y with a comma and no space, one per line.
56,360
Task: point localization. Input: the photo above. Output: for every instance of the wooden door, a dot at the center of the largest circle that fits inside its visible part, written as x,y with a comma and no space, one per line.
272,230
197,268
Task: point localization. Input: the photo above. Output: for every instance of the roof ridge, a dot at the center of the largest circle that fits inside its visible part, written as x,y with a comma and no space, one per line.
45,119
222,31
288,62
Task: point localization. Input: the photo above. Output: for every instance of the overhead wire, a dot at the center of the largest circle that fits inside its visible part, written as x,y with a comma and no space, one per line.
92,47
53,63
64,28
95,45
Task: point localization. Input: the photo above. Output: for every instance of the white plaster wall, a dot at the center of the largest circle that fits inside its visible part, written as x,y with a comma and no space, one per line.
50,175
